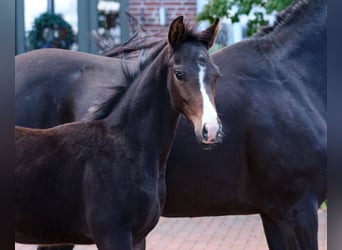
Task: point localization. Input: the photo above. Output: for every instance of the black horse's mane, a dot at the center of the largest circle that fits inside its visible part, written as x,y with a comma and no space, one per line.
285,17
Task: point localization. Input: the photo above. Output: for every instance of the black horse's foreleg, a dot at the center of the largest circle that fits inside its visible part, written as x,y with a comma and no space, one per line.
272,233
61,247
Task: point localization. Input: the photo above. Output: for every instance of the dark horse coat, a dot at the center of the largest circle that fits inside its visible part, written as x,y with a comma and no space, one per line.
272,102
103,181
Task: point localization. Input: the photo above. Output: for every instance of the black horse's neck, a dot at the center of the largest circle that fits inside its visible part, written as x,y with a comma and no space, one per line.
298,39
145,113
303,16
303,24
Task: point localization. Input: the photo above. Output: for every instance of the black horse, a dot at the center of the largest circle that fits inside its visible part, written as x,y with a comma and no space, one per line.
103,181
272,103
70,80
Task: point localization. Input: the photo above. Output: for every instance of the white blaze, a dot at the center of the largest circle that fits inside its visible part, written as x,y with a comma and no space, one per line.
209,116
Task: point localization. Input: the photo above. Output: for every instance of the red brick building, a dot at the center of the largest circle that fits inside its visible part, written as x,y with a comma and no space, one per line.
156,16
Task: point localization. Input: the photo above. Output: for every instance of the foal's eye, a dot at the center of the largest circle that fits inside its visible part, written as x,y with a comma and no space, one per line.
179,75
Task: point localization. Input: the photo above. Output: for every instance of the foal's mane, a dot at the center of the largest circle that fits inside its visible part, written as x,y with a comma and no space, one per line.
285,17
134,44
190,34
130,75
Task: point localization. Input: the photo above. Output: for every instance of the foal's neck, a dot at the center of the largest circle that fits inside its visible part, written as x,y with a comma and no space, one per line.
145,113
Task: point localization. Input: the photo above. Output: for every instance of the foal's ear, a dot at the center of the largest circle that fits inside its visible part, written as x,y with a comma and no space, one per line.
208,36
176,31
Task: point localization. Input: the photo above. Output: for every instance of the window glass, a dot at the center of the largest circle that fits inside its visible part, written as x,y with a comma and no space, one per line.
109,31
68,9
34,8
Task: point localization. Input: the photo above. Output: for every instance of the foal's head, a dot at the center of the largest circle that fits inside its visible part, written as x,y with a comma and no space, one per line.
193,78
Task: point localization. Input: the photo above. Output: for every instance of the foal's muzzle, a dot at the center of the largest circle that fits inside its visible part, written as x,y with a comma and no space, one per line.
212,132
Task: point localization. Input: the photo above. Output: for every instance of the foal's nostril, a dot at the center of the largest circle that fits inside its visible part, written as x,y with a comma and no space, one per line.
205,133
220,133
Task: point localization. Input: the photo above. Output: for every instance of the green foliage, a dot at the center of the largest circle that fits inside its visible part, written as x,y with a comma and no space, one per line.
224,8
324,205
51,31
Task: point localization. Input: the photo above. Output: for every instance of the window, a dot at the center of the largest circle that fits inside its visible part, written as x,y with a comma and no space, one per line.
34,8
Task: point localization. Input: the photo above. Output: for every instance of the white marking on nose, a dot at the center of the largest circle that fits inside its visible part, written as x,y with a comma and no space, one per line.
209,116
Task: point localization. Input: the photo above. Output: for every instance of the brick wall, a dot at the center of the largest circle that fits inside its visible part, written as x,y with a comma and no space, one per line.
147,12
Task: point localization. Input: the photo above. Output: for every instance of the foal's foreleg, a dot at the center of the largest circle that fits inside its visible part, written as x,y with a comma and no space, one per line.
62,247
272,233
141,245
116,241
108,235
299,226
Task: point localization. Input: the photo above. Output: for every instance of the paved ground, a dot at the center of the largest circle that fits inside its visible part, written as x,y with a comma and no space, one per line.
210,233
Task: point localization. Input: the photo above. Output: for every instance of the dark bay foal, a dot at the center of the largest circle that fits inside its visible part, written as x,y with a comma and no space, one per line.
103,181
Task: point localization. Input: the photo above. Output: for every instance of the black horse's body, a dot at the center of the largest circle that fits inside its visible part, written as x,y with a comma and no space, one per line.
272,102
73,78
102,181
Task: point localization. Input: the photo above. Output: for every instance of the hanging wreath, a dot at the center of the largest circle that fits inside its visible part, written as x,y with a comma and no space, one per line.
51,31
